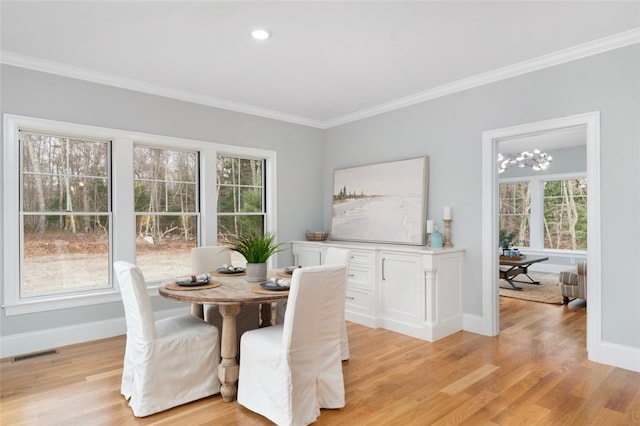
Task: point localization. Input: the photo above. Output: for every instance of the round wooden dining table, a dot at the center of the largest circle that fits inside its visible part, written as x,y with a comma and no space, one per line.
233,293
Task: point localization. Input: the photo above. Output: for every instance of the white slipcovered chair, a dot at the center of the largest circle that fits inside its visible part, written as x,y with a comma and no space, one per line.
208,259
289,371
168,362
334,256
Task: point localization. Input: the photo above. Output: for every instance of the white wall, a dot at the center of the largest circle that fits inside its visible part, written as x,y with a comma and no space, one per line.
449,130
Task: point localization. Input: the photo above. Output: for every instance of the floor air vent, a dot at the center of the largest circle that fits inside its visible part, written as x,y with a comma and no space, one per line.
35,355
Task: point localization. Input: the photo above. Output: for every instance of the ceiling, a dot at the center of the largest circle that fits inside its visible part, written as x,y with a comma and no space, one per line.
326,63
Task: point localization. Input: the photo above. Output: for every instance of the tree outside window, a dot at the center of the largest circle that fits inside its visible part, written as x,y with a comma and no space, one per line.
241,192
65,214
514,211
565,214
167,210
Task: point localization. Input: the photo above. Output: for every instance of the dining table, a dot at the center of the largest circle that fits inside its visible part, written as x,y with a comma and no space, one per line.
230,292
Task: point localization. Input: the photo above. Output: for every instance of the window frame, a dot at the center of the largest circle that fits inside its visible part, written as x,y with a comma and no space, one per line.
122,209
536,218
263,188
196,213
108,213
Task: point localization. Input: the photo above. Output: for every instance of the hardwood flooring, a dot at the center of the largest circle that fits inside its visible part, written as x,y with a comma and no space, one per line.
534,372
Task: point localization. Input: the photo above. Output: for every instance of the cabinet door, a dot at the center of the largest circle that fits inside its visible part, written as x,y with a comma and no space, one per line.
308,255
402,295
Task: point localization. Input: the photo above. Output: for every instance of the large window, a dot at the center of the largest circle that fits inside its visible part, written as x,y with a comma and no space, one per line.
166,205
241,192
65,214
515,208
77,198
565,214
545,212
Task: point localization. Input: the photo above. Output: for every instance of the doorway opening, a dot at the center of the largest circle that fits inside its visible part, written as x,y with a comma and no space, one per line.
491,140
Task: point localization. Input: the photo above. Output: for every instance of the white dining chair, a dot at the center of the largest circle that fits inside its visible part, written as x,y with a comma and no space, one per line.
339,256
291,370
334,256
208,259
168,362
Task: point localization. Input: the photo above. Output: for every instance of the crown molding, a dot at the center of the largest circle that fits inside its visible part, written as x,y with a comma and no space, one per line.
566,55
595,47
51,67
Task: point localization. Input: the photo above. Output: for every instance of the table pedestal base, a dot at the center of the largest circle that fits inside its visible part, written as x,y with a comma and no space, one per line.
228,369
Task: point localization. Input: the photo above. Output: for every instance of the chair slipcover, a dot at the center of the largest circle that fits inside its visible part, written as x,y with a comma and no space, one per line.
338,256
334,256
168,362
208,259
289,371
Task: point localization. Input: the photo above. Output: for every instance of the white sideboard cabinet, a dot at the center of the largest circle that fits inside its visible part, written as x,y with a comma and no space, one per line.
408,289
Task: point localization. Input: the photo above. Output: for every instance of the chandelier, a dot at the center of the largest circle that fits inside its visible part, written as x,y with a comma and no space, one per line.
537,160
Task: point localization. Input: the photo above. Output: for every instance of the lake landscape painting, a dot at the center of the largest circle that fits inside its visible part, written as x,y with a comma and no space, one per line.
384,202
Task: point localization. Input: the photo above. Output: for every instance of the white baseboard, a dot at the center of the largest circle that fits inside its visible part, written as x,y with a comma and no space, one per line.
474,324
617,355
35,341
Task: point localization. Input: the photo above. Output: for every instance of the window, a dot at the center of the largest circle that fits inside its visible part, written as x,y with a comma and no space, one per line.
241,197
545,212
78,197
565,214
166,206
65,214
515,210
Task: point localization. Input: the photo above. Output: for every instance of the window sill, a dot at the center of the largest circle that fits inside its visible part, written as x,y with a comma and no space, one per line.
68,301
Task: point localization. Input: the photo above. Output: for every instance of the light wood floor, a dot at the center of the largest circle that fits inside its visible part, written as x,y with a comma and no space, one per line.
535,372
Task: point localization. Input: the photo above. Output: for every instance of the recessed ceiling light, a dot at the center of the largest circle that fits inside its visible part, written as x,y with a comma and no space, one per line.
260,34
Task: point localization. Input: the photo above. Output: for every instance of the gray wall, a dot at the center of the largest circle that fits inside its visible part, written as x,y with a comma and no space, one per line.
299,153
449,130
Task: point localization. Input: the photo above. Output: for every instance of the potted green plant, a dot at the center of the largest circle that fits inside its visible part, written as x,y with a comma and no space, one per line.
257,249
506,240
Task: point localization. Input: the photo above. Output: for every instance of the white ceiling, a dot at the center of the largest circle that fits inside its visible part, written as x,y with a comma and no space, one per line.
327,62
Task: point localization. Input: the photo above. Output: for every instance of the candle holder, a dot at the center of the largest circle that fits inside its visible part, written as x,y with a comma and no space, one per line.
447,233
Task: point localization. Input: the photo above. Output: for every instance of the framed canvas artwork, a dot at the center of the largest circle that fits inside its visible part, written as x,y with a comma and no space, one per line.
384,202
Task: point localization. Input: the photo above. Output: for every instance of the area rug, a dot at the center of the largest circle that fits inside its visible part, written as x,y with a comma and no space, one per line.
547,292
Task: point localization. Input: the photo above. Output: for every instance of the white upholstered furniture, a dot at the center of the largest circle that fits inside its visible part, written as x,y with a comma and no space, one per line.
168,362
340,256
289,371
208,259
334,256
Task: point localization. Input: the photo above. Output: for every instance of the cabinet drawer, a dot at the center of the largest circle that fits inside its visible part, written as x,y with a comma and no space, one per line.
361,258
359,301
360,277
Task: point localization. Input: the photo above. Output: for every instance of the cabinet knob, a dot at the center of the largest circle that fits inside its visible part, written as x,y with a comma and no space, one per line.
350,297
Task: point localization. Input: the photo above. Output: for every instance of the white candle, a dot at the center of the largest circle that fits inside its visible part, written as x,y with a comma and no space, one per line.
447,213
429,226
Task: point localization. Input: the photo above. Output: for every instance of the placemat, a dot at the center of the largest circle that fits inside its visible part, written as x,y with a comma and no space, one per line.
282,274
260,290
174,286
220,274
